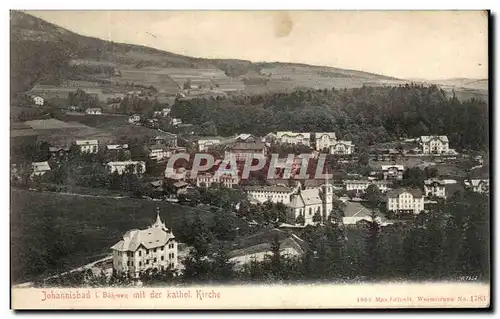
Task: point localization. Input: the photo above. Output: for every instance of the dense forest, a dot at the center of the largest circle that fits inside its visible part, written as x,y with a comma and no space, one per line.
365,115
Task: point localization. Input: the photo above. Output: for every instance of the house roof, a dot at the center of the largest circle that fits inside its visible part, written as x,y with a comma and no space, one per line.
86,142
277,188
330,135
477,181
257,146
396,192
40,166
116,146
93,109
243,136
349,143
398,167
428,138
155,236
292,134
125,163
262,242
58,148
157,183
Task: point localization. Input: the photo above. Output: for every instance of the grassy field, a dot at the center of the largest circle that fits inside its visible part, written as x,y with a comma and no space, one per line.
51,232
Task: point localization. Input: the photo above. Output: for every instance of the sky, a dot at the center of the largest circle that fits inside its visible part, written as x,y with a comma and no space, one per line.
405,44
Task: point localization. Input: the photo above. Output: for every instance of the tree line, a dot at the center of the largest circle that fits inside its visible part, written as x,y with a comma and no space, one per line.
365,115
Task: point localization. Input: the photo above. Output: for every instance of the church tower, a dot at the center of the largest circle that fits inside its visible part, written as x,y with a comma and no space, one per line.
327,197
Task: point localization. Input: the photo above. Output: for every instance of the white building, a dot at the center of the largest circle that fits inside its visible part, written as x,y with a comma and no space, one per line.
275,194
158,153
362,184
139,250
93,111
294,138
39,168
136,118
392,172
437,187
207,179
324,140
434,144
139,167
116,147
342,148
405,200
38,100
88,146
204,145
478,185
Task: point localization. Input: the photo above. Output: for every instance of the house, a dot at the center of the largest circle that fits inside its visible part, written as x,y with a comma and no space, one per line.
393,172
437,187
39,168
324,140
133,119
478,185
165,111
241,150
270,138
205,145
288,137
176,121
38,100
275,194
116,147
258,246
88,146
137,167
248,138
342,148
167,140
207,179
59,151
355,212
159,153
434,144
139,250
93,111
360,185
405,200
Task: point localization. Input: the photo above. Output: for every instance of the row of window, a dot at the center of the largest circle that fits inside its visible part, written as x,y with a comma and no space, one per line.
154,250
155,260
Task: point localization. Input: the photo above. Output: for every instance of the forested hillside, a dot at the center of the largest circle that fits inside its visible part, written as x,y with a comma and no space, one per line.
365,115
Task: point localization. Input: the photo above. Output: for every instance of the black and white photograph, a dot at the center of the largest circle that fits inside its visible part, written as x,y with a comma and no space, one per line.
249,159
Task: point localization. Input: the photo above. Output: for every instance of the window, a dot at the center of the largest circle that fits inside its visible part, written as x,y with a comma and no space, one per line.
140,253
147,251
162,248
155,259
154,250
147,262
140,264
162,258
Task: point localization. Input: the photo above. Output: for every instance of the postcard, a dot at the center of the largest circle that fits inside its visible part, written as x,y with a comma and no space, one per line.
249,160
